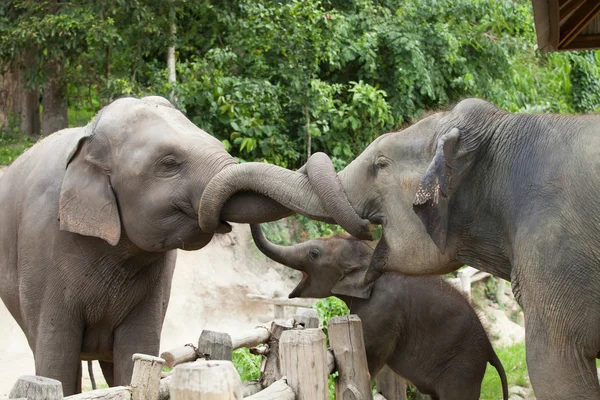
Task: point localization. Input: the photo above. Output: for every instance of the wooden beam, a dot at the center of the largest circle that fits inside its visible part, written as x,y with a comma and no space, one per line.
578,21
584,42
554,21
542,25
569,8
561,3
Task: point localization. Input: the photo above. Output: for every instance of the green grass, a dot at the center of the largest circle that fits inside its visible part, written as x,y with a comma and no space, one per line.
247,365
11,148
513,360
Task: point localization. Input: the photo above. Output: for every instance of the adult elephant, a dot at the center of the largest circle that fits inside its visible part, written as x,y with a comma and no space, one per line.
90,220
514,195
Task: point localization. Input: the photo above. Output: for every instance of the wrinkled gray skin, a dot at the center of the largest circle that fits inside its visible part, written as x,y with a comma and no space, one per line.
421,327
514,195
90,220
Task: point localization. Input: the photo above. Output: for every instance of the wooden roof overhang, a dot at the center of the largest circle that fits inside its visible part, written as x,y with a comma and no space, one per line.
567,24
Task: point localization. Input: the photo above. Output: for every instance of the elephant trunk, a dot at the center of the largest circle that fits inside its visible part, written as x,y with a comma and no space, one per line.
288,188
285,255
327,185
294,191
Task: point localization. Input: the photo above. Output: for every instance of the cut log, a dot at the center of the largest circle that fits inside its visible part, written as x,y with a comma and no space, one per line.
307,317
251,387
37,388
272,367
145,380
347,343
390,385
178,356
164,388
251,338
206,380
217,345
330,361
277,391
113,393
303,358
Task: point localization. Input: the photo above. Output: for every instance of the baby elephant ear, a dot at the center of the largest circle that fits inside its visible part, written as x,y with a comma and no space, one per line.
87,204
431,201
350,284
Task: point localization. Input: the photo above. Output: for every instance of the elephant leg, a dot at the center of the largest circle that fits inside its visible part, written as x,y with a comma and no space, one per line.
565,371
57,354
108,370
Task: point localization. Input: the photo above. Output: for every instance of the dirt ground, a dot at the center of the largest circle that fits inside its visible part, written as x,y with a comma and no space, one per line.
209,292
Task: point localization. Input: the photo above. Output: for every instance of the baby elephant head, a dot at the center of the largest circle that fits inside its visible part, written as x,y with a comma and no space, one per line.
330,266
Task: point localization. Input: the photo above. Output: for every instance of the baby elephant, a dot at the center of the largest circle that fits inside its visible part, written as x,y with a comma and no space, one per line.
421,327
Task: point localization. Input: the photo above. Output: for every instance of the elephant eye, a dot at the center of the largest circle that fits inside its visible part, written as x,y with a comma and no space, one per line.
381,163
313,254
168,166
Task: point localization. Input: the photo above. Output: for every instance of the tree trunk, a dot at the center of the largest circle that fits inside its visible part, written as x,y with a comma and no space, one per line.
171,54
54,99
19,103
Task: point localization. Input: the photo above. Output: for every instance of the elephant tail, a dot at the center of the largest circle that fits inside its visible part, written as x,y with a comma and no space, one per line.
495,361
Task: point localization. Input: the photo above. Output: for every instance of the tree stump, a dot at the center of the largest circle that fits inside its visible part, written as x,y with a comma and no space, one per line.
303,358
307,317
272,371
347,343
37,388
217,345
206,380
145,380
390,385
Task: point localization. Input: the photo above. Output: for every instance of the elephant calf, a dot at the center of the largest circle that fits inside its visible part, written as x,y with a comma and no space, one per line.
421,327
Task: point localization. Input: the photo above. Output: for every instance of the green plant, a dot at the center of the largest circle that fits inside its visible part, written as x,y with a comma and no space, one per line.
247,364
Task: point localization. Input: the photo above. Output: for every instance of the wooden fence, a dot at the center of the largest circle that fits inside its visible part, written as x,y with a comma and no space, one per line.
296,363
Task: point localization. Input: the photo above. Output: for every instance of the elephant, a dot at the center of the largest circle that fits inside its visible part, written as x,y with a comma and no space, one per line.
91,219
433,337
510,194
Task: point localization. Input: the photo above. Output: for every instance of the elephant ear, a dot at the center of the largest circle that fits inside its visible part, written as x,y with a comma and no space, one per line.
435,189
350,284
87,204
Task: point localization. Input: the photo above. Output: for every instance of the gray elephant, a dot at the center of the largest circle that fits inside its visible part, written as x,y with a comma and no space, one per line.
90,220
421,327
513,195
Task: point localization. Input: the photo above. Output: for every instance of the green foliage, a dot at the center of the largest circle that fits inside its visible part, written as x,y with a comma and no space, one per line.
247,365
585,80
513,360
268,77
12,144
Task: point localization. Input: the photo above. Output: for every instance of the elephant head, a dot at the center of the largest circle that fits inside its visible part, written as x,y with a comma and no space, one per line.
139,170
408,181
330,266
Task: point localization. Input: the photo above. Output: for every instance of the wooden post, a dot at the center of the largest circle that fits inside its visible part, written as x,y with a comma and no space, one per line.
277,391
307,317
37,388
145,380
304,361
272,371
500,291
347,343
178,356
390,385
217,345
465,282
206,380
278,311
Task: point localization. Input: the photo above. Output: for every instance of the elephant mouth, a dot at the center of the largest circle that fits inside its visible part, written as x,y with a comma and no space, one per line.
297,292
